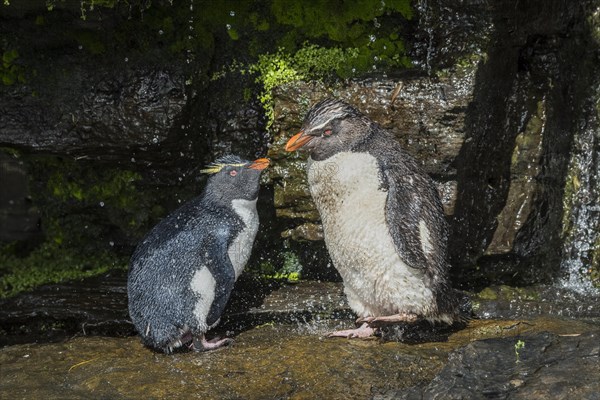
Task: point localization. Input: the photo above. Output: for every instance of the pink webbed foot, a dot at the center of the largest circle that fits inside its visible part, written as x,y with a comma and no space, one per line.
387,319
362,332
201,344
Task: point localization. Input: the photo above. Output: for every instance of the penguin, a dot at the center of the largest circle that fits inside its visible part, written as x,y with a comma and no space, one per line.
382,218
182,273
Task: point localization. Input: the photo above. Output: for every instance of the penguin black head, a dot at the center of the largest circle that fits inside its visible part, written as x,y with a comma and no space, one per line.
330,126
232,177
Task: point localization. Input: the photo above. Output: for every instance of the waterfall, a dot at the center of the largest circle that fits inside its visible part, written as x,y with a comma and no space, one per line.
581,212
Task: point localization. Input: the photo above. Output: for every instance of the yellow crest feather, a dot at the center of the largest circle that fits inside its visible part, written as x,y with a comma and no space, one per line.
217,167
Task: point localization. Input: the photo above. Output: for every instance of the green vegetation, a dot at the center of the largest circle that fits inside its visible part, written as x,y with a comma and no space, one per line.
10,71
50,263
291,270
310,62
80,208
518,346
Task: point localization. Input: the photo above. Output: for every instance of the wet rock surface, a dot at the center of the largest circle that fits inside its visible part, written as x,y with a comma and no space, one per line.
531,366
296,361
281,351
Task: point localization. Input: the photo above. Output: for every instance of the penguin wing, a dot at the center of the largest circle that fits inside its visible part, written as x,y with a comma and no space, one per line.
414,216
222,271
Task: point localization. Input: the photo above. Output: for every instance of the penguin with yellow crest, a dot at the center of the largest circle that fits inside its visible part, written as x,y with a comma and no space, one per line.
182,273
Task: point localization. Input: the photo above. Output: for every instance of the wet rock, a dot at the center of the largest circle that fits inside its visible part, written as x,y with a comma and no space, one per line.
507,219
538,366
296,361
308,231
98,306
94,109
94,306
530,302
19,219
267,362
448,30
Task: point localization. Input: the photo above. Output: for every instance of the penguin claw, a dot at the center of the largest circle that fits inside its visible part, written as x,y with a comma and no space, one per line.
363,332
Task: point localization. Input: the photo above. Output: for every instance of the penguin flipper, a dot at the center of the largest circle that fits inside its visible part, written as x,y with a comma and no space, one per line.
223,272
415,218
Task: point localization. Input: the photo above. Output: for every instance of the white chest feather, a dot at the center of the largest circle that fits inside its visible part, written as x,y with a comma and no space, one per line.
203,285
346,191
241,248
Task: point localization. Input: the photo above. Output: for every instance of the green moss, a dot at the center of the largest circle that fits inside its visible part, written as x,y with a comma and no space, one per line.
85,208
343,22
50,263
90,41
310,62
11,71
510,293
488,294
114,188
290,270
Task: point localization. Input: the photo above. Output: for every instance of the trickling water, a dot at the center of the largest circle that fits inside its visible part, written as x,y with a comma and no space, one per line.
581,219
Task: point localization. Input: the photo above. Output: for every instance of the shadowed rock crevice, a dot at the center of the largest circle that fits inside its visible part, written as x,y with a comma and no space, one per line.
527,104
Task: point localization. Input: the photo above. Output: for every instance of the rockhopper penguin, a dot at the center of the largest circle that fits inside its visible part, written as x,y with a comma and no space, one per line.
182,273
382,218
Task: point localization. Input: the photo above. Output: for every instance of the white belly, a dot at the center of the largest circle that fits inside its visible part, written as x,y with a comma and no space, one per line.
241,248
377,282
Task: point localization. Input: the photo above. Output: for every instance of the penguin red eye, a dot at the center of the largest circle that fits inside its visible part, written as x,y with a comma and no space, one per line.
233,173
327,132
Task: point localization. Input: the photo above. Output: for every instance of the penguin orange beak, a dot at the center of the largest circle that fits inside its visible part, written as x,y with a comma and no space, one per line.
259,164
297,141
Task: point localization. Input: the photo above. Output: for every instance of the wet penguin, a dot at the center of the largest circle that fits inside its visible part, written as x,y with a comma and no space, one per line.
182,273
382,219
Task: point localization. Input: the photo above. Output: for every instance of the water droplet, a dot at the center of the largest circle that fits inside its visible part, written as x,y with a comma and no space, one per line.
126,59
160,32
228,26
111,243
101,204
232,13
155,139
